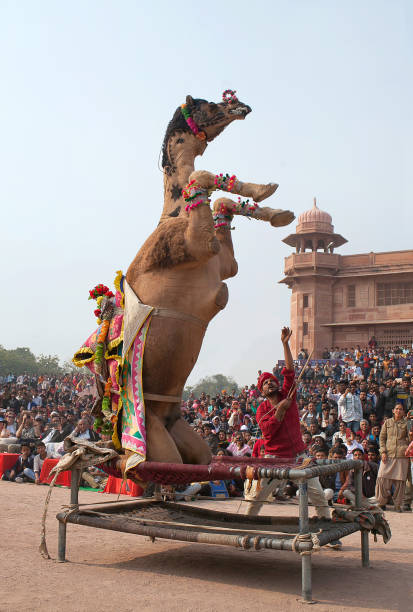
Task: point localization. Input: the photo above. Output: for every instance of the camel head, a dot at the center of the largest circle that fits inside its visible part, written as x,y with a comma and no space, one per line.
212,118
197,122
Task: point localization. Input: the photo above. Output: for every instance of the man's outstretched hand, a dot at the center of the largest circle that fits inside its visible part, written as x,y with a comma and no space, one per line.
286,333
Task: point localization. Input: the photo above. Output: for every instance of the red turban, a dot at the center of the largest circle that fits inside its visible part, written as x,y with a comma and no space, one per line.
264,376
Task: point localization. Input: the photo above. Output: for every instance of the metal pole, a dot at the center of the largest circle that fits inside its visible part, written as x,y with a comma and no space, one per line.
304,528
61,545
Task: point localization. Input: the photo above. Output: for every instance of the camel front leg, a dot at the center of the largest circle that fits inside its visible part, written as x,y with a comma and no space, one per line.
213,182
200,240
224,209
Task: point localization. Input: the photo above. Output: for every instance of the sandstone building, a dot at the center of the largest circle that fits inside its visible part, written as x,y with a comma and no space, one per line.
344,300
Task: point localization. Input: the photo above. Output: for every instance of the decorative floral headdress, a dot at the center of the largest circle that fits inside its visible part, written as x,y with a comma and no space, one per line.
228,97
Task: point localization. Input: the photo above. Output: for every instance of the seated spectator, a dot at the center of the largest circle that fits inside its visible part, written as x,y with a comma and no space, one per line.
364,430
83,431
210,438
38,426
26,430
215,488
57,431
9,431
39,460
341,434
222,441
334,484
215,424
307,438
374,436
318,444
22,470
369,478
373,454
258,447
310,414
246,423
352,444
238,448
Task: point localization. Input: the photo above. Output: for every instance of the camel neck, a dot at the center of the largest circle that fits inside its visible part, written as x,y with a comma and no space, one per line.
182,153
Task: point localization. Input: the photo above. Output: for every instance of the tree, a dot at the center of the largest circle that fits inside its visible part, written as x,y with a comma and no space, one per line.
49,364
212,385
21,360
17,361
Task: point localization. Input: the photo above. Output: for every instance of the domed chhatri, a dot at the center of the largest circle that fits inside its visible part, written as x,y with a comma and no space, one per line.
314,220
315,232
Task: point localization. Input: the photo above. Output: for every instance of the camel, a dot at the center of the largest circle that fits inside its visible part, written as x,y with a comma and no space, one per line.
182,266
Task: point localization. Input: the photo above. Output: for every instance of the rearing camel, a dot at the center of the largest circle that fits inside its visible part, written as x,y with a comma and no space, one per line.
181,268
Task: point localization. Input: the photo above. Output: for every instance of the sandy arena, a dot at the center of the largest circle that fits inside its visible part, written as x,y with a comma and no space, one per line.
110,571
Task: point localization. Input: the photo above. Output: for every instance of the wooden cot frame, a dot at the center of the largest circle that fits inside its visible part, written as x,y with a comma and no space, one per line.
94,516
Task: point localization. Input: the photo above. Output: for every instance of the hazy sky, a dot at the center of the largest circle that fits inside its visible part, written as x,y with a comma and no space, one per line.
88,88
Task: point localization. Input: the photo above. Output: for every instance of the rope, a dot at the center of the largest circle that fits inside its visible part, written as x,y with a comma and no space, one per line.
76,455
71,509
307,537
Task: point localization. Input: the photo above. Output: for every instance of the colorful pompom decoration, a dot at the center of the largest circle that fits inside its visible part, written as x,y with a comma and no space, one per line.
225,182
229,97
191,123
194,195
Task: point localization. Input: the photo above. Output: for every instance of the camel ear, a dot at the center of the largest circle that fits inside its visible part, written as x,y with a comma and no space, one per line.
189,100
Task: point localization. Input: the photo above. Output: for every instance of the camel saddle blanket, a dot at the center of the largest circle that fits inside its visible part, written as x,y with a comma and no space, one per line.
123,361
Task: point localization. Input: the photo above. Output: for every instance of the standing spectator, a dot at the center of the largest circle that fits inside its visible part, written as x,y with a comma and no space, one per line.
394,464
366,404
389,394
349,409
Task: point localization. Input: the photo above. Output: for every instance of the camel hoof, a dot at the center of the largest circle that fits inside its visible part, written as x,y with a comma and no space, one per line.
285,217
267,191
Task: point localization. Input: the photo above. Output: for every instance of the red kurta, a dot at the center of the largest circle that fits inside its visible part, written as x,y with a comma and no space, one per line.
281,438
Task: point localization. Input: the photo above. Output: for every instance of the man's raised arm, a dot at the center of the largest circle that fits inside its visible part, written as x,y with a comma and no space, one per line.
286,333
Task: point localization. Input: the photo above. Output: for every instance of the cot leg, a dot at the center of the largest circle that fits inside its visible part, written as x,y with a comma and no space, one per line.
74,487
306,586
61,546
365,555
358,485
304,525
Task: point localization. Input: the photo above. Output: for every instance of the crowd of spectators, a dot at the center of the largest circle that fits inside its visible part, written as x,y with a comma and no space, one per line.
37,413
343,400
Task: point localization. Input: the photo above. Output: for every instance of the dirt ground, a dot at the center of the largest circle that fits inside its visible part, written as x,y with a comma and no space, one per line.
114,571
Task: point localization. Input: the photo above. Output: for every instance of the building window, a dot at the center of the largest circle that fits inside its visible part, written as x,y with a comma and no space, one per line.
351,296
395,336
305,301
305,328
389,294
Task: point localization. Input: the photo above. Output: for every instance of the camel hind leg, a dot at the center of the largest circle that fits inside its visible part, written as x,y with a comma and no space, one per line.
192,448
224,209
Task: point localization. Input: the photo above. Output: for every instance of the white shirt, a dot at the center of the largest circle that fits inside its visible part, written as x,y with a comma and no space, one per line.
349,408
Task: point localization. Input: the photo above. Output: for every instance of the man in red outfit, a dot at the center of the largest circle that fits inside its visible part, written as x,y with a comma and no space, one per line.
279,421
